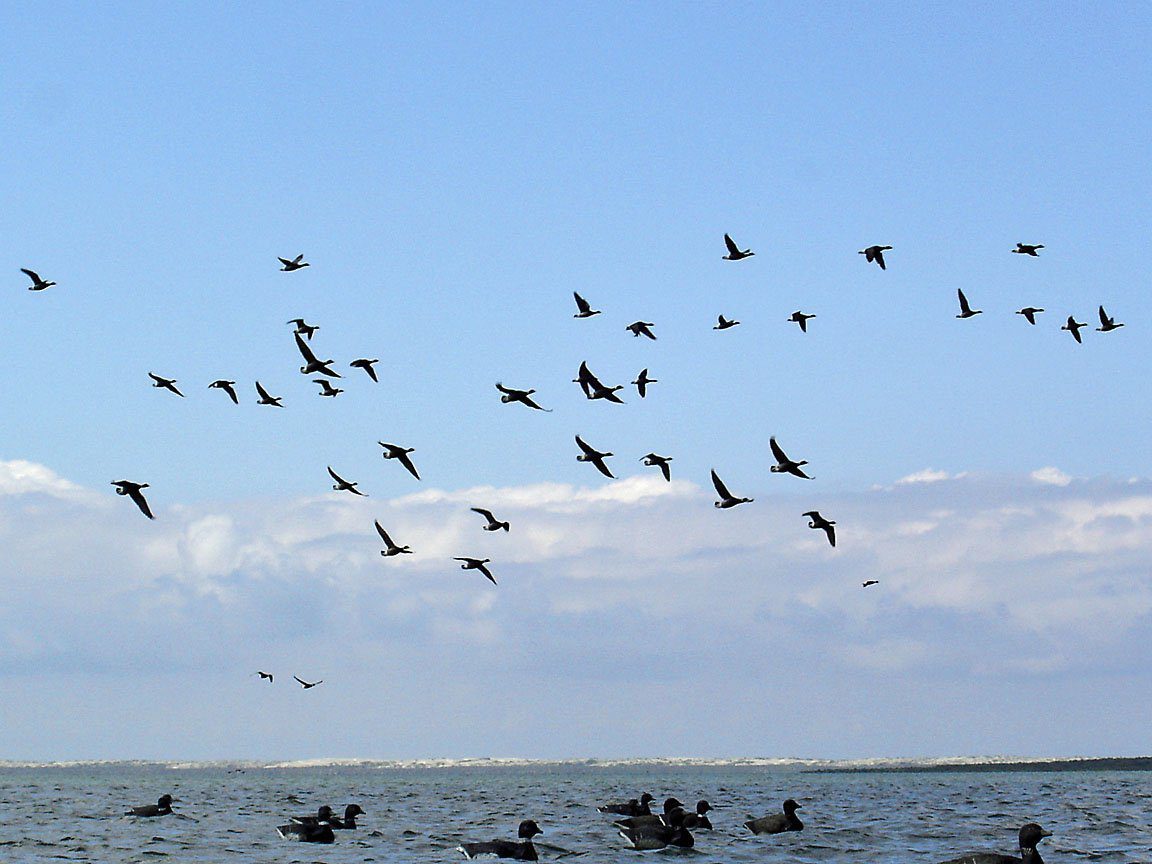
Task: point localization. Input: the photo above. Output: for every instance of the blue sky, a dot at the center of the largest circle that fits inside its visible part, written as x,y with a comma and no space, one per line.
453,173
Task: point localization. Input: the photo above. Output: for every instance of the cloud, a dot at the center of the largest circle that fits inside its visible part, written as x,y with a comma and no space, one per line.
1051,475
928,475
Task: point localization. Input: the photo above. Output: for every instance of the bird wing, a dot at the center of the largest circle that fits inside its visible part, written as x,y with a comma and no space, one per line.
964,307
336,476
31,274
1104,319
588,450
138,496
227,388
305,351
830,530
666,471
487,514
384,535
721,489
480,566
581,303
598,461
407,463
803,322
880,260
777,451
733,249
799,472
284,261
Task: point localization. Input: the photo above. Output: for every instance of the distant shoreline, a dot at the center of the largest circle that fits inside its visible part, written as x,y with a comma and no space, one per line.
1110,763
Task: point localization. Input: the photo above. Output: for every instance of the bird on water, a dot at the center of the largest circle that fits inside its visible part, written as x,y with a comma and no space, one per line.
777,823
1030,835
522,851
162,807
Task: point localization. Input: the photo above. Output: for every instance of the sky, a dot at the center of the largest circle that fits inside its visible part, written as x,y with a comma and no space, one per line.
452,174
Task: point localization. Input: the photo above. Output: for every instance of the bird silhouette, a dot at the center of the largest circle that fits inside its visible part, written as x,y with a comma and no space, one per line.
590,454
400,454
641,328
38,284
494,524
392,548
522,851
1106,323
1026,249
162,807
265,399
661,462
642,381
819,522
800,318
305,330
132,490
312,364
777,823
522,396
727,499
875,253
966,311
1029,313
343,485
477,564
366,364
326,389
584,310
265,676
871,582
723,323
295,264
227,387
164,383
1073,326
784,465
734,251
1030,835
306,685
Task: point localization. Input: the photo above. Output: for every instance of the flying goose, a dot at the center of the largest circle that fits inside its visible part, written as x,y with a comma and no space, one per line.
494,524
1107,323
641,328
305,330
393,451
38,284
343,485
392,548
265,399
642,381
132,490
312,365
165,383
1026,249
734,253
800,318
227,387
723,323
1073,326
875,253
477,564
1029,313
784,465
825,525
583,307
726,498
326,389
590,454
966,311
661,462
265,676
305,684
522,396
366,364
295,264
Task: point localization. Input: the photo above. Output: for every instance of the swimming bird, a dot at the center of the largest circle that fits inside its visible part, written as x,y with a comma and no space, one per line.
265,676
673,814
777,823
657,836
631,807
522,396
265,399
584,310
800,318
165,383
522,851
966,311
734,252
1026,249
494,524
1073,326
700,819
132,490
784,465
305,330
312,364
819,522
392,548
343,485
640,328
661,462
326,389
1029,313
477,564
1107,323
323,814
310,829
227,387
871,582
723,323
306,685
642,381
1030,835
38,284
875,253
393,451
366,364
162,807
349,821
295,264
726,498
590,454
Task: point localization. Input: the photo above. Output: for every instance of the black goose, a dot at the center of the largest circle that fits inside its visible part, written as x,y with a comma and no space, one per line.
312,364
265,399
494,524
819,522
366,363
1027,249
522,851
1107,323
1029,313
734,251
295,264
631,807
777,823
584,310
228,387
392,548
326,389
784,465
132,490
162,807
1030,835
477,564
1073,326
164,383
966,311
400,454
510,394
343,485
38,284
723,323
304,329
642,328
661,462
727,499
591,454
800,318
875,253
642,381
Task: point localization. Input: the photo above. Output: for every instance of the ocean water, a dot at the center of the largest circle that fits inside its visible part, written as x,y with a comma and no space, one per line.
229,813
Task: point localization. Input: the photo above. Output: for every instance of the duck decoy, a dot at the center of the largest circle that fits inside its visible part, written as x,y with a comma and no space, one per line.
343,485
366,364
132,490
800,318
306,685
400,454
875,253
642,381
871,582
392,548
590,454
1073,326
723,323
522,396
631,807
1107,323
265,399
641,328
162,807
295,264
305,330
1029,313
584,310
727,499
777,823
265,676
227,387
819,522
1030,835
1028,249
326,389
784,465
164,383
494,524
38,284
661,462
522,851
734,251
477,564
966,311
312,364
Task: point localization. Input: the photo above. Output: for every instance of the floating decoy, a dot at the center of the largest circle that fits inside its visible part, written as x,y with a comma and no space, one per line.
640,328
164,383
631,807
522,396
1026,249
1073,326
366,364
642,381
132,490
477,564
392,548
393,451
734,252
312,365
494,524
326,389
800,318
723,323
819,522
227,387
871,582
265,399
1030,835
162,807
966,311
1107,323
777,823
661,462
38,284
590,454
343,485
784,465
522,851
727,499
584,309
295,264
1029,313
875,253
265,676
305,330
305,684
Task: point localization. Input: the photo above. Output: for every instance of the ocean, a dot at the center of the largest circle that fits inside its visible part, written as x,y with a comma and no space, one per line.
228,812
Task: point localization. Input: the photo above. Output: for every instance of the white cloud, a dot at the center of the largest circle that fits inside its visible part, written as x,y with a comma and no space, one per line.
1051,475
928,475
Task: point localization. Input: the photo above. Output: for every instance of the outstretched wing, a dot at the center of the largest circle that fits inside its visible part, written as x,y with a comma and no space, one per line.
31,274
733,249
581,303
305,351
480,566
776,451
666,471
336,476
587,450
487,514
721,489
383,534
1104,319
138,496
407,463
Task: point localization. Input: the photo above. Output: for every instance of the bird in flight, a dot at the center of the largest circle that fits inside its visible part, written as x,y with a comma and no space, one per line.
343,485
966,311
875,253
494,524
132,490
800,318
723,323
392,548
594,388
1107,323
871,582
392,451
305,330
522,396
477,564
1026,249
727,499
227,387
590,454
306,685
38,284
1073,326
641,328
326,389
734,252
584,309
295,264
825,525
312,365
1029,313
165,383
784,465
661,462
265,676
366,364
642,381
265,399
